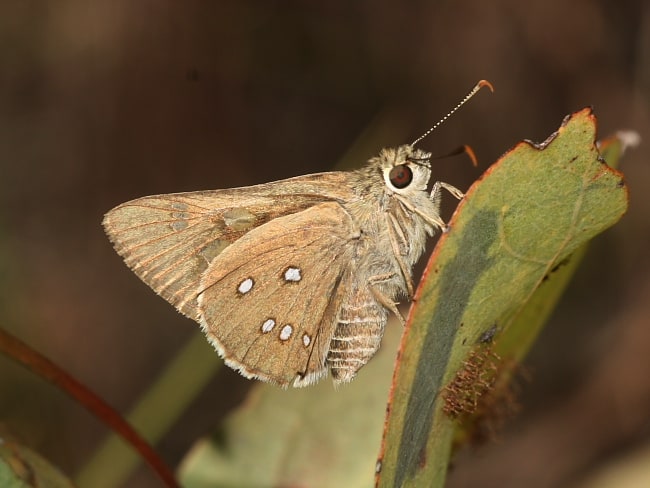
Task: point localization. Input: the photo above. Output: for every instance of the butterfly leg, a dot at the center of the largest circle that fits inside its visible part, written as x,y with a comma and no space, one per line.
384,300
450,188
436,193
395,231
433,220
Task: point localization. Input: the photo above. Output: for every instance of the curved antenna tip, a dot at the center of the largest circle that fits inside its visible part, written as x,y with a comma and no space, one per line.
483,83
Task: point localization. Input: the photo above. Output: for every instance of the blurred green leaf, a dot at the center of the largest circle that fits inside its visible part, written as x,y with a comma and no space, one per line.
157,410
21,467
316,436
515,229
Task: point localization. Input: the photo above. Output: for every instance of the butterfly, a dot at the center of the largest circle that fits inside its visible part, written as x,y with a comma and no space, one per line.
292,279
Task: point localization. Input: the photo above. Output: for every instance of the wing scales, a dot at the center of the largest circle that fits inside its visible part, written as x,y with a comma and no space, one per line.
169,240
314,245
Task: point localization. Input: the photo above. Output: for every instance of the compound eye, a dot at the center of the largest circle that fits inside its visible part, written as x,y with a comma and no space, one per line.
400,176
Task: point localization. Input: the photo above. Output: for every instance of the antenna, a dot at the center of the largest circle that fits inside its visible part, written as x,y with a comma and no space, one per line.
472,92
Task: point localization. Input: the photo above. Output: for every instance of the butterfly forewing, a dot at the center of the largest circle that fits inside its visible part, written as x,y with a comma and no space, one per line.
269,301
169,240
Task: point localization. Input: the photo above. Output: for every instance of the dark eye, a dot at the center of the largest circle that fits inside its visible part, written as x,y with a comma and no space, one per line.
401,176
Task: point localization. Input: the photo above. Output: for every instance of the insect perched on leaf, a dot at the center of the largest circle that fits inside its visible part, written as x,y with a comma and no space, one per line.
293,278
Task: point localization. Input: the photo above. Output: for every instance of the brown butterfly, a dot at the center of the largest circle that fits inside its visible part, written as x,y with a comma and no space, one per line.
293,278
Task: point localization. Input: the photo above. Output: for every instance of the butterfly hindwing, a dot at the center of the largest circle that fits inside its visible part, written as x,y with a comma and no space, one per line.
269,301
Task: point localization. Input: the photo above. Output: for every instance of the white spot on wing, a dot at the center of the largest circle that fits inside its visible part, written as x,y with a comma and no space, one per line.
232,363
285,333
268,325
292,274
306,340
245,286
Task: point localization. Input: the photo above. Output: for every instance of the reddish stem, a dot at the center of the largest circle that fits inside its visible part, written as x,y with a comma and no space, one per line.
43,367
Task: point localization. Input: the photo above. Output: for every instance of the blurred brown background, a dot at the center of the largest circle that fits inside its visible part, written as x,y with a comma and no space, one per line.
102,102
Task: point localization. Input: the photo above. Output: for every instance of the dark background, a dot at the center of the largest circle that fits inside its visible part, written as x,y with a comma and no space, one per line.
102,102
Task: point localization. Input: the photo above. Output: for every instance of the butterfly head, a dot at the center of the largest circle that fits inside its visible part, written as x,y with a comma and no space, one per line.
405,169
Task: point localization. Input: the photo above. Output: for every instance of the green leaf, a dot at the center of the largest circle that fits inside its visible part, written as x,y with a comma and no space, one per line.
521,334
316,436
477,310
21,467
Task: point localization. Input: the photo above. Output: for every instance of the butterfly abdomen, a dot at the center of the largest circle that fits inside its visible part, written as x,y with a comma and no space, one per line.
357,336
